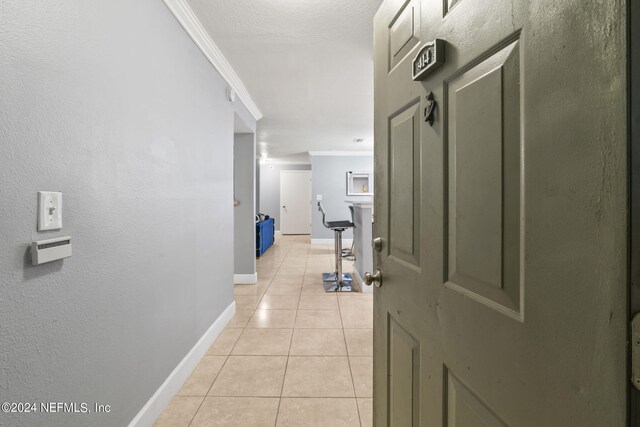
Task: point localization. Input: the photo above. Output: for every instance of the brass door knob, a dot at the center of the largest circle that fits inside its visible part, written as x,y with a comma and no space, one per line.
375,278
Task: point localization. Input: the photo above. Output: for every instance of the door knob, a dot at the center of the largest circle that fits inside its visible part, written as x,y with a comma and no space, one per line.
375,278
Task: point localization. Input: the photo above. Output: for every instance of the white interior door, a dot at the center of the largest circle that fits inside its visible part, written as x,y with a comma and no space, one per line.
295,202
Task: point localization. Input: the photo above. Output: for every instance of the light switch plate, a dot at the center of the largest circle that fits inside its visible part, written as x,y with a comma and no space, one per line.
49,210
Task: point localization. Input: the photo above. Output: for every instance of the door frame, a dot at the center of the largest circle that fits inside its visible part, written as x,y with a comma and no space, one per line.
633,102
283,172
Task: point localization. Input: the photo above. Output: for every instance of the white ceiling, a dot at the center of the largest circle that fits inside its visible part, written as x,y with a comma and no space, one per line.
308,65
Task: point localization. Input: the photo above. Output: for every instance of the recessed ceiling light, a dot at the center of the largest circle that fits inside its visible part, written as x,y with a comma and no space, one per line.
358,139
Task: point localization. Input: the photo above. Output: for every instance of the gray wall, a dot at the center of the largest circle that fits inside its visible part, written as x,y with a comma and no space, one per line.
257,186
111,103
328,177
244,213
270,188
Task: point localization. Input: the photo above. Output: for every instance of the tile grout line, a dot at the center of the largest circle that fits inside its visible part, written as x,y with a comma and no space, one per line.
230,351
284,377
271,278
275,422
353,383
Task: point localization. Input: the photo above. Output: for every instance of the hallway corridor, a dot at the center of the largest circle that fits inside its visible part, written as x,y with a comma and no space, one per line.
292,355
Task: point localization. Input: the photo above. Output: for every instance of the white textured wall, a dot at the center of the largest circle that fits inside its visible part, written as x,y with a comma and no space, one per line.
111,103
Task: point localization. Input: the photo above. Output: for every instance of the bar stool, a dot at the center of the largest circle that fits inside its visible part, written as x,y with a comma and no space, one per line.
337,281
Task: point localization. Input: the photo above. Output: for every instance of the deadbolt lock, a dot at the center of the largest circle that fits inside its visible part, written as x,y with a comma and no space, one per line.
377,244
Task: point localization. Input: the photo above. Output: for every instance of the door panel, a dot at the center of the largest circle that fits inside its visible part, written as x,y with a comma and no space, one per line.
484,173
404,183
404,376
464,409
503,259
402,31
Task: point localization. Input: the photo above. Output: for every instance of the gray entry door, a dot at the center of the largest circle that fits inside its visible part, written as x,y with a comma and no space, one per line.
503,225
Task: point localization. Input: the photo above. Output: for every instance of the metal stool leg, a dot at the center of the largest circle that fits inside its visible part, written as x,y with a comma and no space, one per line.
337,281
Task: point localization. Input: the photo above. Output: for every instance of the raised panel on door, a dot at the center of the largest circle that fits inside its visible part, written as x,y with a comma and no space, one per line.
462,408
403,32
404,376
484,171
405,186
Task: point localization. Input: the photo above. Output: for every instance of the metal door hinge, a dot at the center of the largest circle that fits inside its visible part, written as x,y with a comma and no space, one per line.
635,351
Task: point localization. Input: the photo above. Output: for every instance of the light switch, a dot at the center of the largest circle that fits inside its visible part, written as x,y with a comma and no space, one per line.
49,210
318,197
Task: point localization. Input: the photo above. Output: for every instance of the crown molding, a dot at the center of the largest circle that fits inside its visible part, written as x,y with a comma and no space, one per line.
284,162
341,153
192,25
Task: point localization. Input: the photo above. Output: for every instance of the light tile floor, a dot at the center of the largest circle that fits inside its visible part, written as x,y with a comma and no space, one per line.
293,355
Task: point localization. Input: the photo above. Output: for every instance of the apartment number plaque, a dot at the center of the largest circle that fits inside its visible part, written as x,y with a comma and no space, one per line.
428,59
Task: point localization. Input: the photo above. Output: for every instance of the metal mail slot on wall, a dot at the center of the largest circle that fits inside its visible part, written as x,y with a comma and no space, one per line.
49,250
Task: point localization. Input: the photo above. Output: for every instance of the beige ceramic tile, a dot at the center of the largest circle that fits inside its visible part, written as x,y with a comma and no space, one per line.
279,302
283,290
287,280
284,319
290,271
315,279
362,371
266,275
250,376
202,377
223,345
316,270
357,319
318,319
365,408
240,319
318,342
179,412
355,301
359,342
318,261
314,290
246,302
318,377
294,263
237,412
319,302
257,289
318,412
264,282
263,342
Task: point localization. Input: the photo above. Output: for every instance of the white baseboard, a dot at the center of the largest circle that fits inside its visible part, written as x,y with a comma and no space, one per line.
363,288
245,279
345,242
161,398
